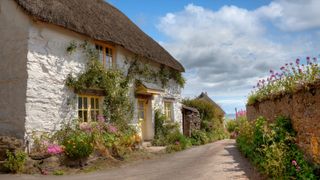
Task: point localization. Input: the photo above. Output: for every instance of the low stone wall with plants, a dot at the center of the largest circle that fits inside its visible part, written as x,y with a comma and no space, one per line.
303,110
293,92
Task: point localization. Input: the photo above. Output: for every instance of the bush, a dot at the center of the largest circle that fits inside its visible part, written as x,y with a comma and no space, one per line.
15,161
209,114
199,137
272,148
78,144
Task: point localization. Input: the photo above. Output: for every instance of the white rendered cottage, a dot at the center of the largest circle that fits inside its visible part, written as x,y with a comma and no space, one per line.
34,64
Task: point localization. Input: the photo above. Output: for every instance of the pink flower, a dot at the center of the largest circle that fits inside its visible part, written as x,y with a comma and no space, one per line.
298,168
85,127
101,118
111,128
294,162
177,142
54,149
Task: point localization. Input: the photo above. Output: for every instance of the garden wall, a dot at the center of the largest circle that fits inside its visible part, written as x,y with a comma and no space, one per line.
303,108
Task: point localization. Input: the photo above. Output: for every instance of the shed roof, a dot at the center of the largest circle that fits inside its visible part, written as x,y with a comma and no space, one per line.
101,21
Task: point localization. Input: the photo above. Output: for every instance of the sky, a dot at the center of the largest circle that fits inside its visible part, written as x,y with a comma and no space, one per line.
226,46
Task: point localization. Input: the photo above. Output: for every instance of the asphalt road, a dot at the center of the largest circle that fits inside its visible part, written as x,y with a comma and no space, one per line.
220,160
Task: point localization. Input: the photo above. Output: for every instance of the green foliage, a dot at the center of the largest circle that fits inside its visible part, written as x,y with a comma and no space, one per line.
117,105
78,144
199,137
231,125
163,129
168,134
15,161
211,116
72,47
272,148
138,70
58,172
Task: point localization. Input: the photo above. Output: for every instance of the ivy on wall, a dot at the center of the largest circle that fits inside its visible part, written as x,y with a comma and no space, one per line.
139,70
117,107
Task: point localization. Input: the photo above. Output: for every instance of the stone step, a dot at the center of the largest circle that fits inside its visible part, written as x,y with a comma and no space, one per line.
146,144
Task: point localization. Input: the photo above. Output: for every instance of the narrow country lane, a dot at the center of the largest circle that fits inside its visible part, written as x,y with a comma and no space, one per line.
219,160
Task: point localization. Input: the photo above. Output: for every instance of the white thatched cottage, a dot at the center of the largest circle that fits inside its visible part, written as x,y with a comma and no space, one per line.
34,64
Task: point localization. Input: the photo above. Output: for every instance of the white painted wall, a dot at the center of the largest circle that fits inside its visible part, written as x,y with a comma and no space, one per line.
14,25
50,103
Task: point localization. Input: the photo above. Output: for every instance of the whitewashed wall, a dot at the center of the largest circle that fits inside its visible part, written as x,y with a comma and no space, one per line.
172,90
49,102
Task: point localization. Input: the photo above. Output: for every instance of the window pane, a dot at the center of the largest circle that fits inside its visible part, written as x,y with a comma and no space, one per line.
85,103
108,58
92,103
80,114
100,53
97,103
93,116
79,102
85,116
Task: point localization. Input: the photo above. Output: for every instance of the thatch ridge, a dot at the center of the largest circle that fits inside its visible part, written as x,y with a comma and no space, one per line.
100,21
204,96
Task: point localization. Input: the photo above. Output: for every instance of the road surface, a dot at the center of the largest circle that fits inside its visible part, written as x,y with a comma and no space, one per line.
220,160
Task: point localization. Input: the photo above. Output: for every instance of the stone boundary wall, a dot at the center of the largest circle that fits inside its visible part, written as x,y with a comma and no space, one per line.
303,108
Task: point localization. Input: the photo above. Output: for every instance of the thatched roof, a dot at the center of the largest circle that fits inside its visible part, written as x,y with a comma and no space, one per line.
101,21
204,96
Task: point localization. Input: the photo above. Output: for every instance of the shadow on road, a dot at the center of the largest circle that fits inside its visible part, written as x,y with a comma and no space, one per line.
242,164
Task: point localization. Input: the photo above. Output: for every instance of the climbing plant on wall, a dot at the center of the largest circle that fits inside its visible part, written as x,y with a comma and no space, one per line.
143,70
118,107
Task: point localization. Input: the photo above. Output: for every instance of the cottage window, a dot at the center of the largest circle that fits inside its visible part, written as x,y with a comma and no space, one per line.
88,107
168,110
105,55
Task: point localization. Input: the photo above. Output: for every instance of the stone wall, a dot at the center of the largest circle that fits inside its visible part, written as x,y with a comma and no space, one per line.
191,120
303,110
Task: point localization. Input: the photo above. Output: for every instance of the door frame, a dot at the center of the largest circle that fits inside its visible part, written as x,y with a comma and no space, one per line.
144,124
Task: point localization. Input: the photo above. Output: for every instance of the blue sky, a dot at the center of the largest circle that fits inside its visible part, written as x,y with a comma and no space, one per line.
227,45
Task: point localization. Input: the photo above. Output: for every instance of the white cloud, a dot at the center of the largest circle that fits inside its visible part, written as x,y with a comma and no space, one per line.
226,51
292,15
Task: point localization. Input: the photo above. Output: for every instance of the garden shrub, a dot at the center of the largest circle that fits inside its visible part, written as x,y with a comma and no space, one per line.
78,144
15,161
199,137
272,148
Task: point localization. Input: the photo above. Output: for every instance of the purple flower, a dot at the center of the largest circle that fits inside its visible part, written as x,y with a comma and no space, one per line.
271,71
298,168
291,64
297,61
177,142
